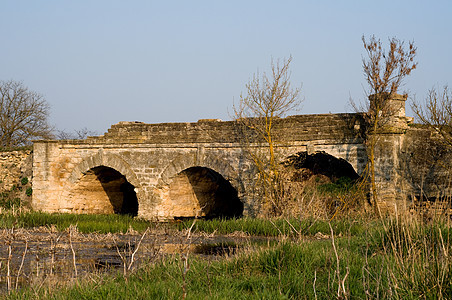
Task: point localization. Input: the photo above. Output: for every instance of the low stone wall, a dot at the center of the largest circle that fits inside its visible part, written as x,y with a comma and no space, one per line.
15,178
348,127
425,162
14,165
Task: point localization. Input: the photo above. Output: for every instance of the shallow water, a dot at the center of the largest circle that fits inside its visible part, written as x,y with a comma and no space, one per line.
50,255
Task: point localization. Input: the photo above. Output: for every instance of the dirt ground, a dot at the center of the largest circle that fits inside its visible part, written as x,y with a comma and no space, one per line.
31,256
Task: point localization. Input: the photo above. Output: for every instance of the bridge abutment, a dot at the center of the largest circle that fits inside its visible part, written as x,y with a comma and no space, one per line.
390,143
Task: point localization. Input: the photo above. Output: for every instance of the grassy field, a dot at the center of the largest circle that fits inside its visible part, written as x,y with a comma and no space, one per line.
85,223
288,227
398,258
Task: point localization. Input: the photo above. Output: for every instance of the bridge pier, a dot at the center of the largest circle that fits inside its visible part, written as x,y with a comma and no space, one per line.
389,139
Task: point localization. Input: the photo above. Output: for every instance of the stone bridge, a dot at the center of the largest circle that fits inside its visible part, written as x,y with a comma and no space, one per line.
171,170
161,171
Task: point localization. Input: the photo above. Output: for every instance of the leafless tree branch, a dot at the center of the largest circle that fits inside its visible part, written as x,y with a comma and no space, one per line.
384,72
267,98
436,112
23,115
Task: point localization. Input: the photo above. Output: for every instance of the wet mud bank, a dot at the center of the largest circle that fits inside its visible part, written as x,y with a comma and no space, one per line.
31,256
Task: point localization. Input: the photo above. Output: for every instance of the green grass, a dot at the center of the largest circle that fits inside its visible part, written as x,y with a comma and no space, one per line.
276,227
289,270
283,272
121,223
340,186
85,223
387,259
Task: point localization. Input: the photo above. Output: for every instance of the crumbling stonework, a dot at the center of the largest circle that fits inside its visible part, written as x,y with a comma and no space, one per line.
412,167
162,171
412,163
14,165
15,178
151,157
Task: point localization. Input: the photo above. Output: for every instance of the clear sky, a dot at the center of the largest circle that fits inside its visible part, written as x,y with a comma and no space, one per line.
99,62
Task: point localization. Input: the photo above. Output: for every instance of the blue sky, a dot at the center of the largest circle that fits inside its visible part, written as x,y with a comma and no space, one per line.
99,62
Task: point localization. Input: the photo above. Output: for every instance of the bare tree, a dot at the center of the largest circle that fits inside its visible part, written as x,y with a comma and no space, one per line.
436,112
79,134
267,99
23,115
384,72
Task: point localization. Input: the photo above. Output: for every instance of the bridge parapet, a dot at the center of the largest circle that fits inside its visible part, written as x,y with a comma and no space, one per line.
291,129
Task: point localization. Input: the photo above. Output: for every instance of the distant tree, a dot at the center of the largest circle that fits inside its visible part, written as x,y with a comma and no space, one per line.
267,99
23,115
384,72
79,134
436,112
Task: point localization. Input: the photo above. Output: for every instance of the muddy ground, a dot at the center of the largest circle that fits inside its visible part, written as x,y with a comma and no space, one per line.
36,255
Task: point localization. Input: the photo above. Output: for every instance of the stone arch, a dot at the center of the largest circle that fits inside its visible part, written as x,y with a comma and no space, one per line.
324,163
188,174
202,192
107,160
115,177
354,153
217,163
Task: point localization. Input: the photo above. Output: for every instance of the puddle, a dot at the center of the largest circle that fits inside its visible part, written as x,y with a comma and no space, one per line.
207,249
218,249
107,262
50,254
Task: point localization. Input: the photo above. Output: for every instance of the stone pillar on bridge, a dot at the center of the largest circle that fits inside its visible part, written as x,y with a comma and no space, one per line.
388,140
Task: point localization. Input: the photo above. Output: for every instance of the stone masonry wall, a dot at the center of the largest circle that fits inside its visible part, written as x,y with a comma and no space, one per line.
412,168
425,163
410,162
337,127
15,178
150,156
14,165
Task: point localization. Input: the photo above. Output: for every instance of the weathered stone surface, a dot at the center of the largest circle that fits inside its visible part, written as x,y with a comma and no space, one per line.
154,157
14,165
179,169
15,178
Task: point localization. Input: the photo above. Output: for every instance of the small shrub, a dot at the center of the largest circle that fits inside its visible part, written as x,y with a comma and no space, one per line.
24,181
10,203
340,186
29,192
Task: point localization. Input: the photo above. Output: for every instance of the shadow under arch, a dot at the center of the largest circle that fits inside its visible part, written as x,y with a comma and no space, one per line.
202,192
103,183
322,163
209,188
107,189
214,162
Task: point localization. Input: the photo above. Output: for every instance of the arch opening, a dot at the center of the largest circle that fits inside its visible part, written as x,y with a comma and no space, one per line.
322,163
104,190
327,180
202,192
